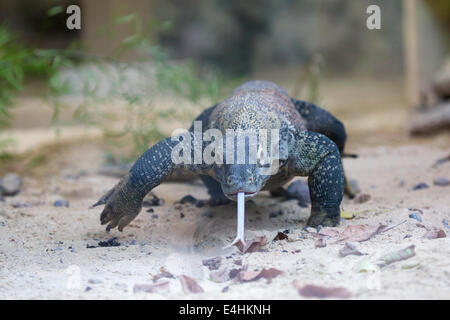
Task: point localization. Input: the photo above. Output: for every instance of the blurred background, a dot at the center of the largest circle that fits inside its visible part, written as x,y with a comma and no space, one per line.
138,69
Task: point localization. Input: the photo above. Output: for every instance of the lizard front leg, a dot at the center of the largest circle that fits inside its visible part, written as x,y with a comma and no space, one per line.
124,202
316,156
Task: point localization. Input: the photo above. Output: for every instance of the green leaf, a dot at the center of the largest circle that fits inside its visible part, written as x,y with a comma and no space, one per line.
53,11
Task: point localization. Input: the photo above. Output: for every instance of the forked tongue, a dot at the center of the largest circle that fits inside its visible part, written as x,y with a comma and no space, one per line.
240,238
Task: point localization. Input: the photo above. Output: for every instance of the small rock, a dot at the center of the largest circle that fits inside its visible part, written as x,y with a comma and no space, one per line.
350,248
276,214
415,215
191,199
181,215
94,281
420,186
354,185
154,216
441,181
150,210
361,198
10,184
109,243
21,205
207,214
320,243
61,203
213,263
152,200
299,190
435,234
188,199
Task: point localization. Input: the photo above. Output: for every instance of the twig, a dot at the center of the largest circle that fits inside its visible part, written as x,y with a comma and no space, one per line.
394,226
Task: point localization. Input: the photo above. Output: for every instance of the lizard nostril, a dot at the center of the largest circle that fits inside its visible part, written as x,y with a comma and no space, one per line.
250,180
230,181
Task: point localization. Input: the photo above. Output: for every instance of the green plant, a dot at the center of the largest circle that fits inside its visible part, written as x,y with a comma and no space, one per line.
140,122
17,64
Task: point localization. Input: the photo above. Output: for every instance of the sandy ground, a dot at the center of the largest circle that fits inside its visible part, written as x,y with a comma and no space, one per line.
44,250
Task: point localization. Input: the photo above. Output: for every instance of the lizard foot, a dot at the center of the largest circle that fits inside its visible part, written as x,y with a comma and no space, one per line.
121,206
324,218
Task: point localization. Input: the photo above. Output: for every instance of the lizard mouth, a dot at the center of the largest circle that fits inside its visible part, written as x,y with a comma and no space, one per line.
246,193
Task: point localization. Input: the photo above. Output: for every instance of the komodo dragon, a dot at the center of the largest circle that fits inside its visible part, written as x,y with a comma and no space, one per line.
312,138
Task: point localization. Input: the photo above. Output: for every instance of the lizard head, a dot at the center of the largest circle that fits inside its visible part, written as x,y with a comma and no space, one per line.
248,177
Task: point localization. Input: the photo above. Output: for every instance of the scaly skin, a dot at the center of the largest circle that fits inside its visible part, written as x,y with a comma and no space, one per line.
311,143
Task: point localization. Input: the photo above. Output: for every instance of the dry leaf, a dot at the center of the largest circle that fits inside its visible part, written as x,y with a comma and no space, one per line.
399,255
435,234
360,233
320,243
151,288
268,274
252,245
313,291
190,285
244,276
367,266
212,263
280,236
234,272
328,232
163,274
347,215
350,248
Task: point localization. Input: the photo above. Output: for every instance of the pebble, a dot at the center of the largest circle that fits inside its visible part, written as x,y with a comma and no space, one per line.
109,243
191,199
94,281
415,215
152,200
10,184
21,205
276,214
299,190
212,263
441,181
207,214
420,186
354,185
361,198
61,203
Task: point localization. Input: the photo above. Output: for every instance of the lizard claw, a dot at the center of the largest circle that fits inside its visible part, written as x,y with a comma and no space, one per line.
121,206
